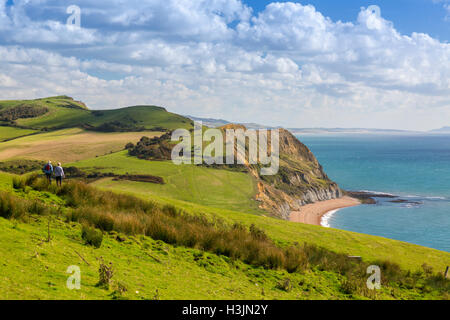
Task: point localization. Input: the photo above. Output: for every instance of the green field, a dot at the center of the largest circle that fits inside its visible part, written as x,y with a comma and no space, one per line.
194,189
205,186
35,268
7,133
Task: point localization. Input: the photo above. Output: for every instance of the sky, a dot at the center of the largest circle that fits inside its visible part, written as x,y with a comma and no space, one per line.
316,63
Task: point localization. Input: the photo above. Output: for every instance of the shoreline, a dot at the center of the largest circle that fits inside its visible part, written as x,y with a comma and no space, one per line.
315,213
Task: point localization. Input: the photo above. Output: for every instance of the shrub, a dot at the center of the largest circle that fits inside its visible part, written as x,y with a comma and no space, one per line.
129,145
105,274
91,236
21,166
285,285
22,112
18,183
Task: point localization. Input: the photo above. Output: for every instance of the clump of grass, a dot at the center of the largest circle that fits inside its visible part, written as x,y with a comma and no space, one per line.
11,207
119,292
91,236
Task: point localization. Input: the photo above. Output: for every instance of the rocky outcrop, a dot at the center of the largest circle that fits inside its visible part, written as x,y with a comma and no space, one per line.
314,195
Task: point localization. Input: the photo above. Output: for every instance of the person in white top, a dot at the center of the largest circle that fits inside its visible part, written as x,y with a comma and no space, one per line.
59,174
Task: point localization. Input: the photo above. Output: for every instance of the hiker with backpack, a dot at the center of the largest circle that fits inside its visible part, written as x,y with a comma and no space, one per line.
48,170
59,174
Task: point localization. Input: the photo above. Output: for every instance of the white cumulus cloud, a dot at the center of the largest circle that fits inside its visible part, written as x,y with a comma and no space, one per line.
287,65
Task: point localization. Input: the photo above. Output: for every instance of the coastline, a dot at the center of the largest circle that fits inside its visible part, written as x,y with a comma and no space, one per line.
315,212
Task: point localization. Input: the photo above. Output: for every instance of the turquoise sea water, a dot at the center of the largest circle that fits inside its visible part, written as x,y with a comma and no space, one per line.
413,167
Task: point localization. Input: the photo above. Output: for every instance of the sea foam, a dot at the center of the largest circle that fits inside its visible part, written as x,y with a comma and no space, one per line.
325,221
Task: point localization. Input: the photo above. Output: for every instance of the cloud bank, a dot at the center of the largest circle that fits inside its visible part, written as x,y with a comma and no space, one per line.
287,65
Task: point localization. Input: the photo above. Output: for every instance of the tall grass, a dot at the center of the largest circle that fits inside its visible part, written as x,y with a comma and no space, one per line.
12,207
109,211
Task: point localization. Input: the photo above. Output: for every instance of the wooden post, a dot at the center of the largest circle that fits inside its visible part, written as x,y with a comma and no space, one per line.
446,272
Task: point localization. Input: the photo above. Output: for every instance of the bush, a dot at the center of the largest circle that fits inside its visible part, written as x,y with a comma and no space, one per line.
18,183
285,285
91,236
129,145
22,112
105,274
21,166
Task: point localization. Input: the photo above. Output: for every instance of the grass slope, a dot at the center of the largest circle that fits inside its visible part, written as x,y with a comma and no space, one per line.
206,186
194,189
34,268
64,112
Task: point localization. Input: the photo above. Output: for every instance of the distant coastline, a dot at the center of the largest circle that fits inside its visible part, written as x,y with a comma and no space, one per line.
213,123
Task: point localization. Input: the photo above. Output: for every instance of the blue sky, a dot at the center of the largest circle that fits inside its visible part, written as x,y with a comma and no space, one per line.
408,15
327,64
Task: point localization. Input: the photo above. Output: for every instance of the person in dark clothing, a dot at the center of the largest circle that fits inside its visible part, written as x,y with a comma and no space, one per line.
48,170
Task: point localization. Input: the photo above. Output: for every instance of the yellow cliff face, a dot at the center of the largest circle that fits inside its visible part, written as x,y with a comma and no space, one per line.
299,181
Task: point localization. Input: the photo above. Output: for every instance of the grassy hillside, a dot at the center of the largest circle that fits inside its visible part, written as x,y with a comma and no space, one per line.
198,189
59,112
58,101
65,112
206,186
35,267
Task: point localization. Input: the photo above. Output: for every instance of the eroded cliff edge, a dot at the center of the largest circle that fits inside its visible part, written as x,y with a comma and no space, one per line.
300,180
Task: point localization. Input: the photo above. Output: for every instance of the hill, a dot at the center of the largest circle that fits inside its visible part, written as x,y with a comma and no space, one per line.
63,112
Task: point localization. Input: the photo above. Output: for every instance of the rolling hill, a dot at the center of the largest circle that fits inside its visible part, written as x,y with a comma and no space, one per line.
63,112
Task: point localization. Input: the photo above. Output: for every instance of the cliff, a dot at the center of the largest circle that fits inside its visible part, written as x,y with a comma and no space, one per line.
299,181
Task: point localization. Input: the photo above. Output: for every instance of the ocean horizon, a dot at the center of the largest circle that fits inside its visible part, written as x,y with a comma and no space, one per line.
415,168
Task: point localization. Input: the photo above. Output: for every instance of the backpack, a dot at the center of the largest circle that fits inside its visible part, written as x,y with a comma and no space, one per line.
47,167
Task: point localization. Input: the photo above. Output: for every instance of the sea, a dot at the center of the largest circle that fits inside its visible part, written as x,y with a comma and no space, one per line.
413,167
